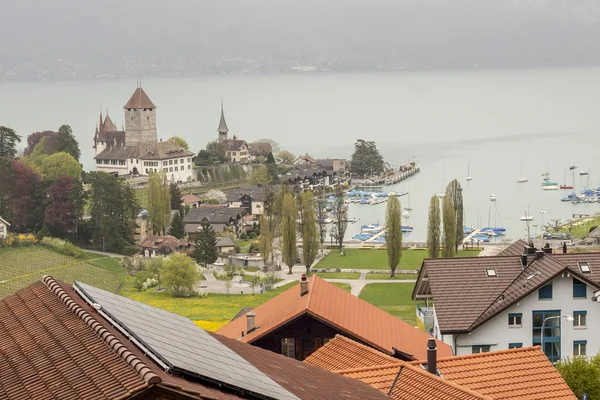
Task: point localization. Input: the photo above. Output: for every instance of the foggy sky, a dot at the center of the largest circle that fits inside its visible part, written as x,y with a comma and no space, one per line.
438,33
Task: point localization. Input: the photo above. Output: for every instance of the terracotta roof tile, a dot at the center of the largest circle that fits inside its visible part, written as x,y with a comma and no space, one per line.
190,198
343,311
47,350
139,99
524,374
341,353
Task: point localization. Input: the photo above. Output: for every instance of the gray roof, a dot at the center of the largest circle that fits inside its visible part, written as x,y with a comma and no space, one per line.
213,214
256,192
225,241
146,151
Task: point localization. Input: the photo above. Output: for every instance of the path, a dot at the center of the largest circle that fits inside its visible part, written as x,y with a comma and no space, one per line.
114,255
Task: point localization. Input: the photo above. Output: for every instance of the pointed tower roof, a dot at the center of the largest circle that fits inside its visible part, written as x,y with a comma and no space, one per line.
139,99
109,124
222,123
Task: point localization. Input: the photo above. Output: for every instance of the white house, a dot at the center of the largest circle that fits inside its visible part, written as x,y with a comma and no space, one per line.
485,304
3,228
251,198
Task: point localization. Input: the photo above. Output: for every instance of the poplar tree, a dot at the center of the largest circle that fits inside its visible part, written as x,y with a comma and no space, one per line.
310,233
454,191
265,239
393,233
340,218
433,227
159,202
288,219
449,218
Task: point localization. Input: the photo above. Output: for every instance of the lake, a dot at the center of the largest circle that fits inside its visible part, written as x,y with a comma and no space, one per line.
493,121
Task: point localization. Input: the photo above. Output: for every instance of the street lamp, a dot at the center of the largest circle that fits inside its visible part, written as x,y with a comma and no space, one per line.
568,317
543,212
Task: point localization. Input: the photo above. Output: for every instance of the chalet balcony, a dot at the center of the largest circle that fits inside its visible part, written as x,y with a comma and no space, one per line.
425,315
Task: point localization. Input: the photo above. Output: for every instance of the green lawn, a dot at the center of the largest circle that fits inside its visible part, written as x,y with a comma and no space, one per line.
344,286
397,277
210,313
579,228
336,275
377,259
244,245
393,298
20,267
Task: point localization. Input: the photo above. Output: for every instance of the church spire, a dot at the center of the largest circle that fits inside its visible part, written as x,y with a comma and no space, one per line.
222,124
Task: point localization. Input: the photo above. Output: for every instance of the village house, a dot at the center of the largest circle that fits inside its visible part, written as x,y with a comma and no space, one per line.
156,246
3,228
142,227
305,160
304,177
136,150
524,373
332,165
225,244
303,318
523,297
74,341
251,198
191,200
218,217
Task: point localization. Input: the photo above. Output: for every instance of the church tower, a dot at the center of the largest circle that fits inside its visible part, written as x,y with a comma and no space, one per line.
140,118
222,126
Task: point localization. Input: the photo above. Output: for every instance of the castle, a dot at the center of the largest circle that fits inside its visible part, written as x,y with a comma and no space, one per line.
136,150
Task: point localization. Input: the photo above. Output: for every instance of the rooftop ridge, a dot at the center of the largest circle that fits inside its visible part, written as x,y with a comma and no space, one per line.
111,341
371,368
488,354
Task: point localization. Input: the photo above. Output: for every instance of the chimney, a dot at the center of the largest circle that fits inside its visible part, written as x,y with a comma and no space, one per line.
524,260
303,285
539,254
250,322
547,249
564,248
431,356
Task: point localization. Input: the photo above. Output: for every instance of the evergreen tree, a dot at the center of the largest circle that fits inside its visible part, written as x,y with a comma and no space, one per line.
159,202
8,142
310,233
433,227
366,159
289,215
205,251
339,217
454,191
270,158
449,218
265,239
177,227
176,202
67,142
393,233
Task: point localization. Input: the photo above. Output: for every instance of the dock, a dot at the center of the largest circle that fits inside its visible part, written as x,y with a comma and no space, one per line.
471,235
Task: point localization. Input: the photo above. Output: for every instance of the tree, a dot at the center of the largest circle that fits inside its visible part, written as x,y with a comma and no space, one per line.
159,201
265,239
205,251
20,194
274,144
433,227
581,375
67,142
449,218
177,227
310,234
454,191
66,206
393,233
176,202
216,195
285,157
179,275
179,141
366,159
554,225
260,175
289,215
270,158
321,214
8,142
339,218
217,151
58,164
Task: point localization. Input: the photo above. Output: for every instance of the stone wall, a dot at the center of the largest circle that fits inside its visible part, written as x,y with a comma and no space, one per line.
140,125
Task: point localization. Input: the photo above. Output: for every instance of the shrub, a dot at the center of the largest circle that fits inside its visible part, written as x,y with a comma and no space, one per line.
252,235
130,250
133,264
139,279
62,247
179,275
243,236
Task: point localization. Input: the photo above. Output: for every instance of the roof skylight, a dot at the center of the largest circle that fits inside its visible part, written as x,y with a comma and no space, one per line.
584,267
490,272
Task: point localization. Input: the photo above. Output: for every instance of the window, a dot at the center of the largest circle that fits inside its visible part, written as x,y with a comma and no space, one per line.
579,348
175,161
480,349
189,167
579,289
551,334
545,292
170,162
515,320
189,160
176,169
515,345
580,319
584,267
170,169
165,163
106,162
288,348
121,162
113,162
490,272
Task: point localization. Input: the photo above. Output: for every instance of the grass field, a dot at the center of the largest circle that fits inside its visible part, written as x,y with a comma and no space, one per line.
20,267
209,313
377,259
336,275
397,277
344,286
393,298
580,228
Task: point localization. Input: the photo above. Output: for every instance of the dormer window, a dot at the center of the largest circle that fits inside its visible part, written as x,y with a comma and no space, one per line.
490,272
584,267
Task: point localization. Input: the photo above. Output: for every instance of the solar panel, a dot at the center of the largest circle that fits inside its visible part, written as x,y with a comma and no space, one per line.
181,345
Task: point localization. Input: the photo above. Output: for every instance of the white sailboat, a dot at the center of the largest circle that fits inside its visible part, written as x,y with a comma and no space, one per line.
527,217
406,212
522,179
469,177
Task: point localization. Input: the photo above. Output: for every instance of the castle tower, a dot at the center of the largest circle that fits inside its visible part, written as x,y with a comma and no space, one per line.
140,118
222,126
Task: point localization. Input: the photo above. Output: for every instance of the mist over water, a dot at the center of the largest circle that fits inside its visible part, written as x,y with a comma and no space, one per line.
445,120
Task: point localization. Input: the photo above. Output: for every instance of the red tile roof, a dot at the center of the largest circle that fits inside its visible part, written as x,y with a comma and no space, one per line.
341,310
341,353
524,374
190,198
139,99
